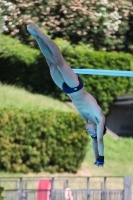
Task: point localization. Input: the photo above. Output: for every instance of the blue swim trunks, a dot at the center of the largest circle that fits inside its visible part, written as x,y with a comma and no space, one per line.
69,90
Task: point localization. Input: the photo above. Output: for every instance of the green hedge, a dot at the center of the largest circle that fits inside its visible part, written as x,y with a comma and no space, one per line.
27,67
103,88
24,66
44,140
1,193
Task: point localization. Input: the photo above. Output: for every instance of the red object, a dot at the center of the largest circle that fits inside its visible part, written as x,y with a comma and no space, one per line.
44,188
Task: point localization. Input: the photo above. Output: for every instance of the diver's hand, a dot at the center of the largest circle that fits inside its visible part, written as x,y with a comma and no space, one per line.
99,161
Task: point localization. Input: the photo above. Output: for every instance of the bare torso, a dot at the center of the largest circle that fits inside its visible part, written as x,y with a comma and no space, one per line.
86,105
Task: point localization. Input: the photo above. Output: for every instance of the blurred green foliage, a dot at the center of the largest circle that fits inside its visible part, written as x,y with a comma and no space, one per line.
103,88
1,23
104,24
22,65
41,140
27,67
1,193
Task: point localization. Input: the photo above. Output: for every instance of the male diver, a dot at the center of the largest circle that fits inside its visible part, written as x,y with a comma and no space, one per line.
72,85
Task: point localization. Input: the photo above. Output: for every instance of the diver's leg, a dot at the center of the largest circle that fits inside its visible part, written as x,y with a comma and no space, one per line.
55,73
53,56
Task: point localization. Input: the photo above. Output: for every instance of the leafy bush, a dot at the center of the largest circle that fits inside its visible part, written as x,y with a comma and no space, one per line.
103,88
105,24
102,24
27,67
1,193
36,140
22,66
1,23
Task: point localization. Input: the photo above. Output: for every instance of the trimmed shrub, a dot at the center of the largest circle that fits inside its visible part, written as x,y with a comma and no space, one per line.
41,140
103,88
1,193
27,67
23,66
